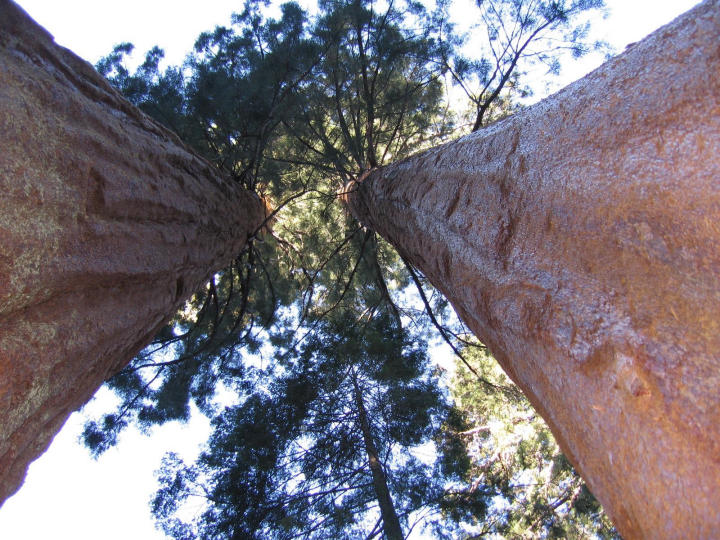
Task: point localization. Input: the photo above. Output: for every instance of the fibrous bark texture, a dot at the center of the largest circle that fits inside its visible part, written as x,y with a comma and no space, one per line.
580,239
107,224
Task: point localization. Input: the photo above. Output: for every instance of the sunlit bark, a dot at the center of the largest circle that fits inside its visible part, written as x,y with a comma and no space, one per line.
579,239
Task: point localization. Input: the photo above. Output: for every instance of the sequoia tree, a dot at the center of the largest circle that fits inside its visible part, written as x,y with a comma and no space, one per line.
108,222
577,240
509,223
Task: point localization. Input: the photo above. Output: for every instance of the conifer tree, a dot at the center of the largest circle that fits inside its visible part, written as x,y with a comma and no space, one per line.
323,434
323,446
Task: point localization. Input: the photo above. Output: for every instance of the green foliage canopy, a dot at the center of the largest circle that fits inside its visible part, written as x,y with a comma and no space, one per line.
324,441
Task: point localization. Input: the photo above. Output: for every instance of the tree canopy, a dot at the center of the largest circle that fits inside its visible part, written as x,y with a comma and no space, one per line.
338,425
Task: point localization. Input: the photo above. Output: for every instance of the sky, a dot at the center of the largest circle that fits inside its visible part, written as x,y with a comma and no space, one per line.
68,495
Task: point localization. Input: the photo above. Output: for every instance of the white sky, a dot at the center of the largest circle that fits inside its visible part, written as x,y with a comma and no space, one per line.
67,495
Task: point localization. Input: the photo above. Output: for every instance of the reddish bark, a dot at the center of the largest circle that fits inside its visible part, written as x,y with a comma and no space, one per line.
107,224
579,239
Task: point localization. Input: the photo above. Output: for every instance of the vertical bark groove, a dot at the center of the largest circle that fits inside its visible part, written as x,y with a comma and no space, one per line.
107,224
579,240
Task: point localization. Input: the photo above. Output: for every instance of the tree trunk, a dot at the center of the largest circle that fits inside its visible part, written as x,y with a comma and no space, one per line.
580,240
391,523
107,224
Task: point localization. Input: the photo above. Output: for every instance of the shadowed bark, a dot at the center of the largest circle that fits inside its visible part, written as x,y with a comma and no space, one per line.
580,240
107,224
